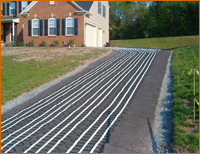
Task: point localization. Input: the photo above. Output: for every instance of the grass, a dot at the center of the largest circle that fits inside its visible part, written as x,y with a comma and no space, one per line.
186,136
161,43
19,77
185,56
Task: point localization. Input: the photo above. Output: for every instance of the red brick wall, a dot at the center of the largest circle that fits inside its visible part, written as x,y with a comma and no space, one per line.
43,10
60,11
7,33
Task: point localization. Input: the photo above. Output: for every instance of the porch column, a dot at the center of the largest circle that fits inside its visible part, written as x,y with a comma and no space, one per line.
13,30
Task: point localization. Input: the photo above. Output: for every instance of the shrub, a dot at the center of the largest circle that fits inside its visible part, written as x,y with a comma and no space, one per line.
31,43
56,42
83,45
19,44
10,45
44,43
71,42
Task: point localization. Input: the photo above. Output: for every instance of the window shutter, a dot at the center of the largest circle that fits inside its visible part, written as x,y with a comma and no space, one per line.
20,6
63,26
8,8
76,26
46,27
15,8
29,2
104,11
58,26
41,27
99,7
4,33
29,27
4,9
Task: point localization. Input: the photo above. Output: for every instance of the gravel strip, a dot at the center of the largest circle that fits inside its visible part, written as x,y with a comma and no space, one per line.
163,122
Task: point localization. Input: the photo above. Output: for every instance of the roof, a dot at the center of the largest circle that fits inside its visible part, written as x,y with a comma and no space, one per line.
86,5
80,5
9,19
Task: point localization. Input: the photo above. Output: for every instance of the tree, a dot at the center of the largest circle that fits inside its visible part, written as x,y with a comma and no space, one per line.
130,19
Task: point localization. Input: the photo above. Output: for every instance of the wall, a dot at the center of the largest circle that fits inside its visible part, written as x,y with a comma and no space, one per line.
43,10
99,20
60,11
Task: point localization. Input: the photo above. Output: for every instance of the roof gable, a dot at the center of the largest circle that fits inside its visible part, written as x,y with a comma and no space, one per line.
86,5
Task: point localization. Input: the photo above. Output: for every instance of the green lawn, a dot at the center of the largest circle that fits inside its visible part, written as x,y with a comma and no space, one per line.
185,128
18,77
161,43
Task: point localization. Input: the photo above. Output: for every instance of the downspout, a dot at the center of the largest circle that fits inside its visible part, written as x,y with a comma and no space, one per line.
23,32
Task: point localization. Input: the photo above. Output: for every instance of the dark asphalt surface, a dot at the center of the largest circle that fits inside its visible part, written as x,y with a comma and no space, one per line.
132,130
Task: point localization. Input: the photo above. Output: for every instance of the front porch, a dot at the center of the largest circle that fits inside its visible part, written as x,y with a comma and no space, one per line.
8,30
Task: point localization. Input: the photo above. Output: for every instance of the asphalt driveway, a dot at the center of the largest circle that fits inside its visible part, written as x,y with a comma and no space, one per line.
107,107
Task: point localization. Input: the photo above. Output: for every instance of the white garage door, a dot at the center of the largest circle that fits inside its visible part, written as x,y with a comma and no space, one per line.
100,38
91,36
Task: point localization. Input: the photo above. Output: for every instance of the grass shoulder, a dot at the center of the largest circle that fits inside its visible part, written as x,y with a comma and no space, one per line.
23,69
185,127
160,43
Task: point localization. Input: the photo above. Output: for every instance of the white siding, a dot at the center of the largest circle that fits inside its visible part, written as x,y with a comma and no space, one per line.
99,21
99,38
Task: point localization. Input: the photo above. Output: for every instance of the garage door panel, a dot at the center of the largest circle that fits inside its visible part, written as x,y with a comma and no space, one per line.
91,36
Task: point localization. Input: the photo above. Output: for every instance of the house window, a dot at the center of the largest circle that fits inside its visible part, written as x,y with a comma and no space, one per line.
12,8
51,2
24,4
99,7
35,27
52,26
104,11
70,26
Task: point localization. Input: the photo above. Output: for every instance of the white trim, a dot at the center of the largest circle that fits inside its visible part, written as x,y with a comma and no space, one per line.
13,31
32,27
48,26
93,24
77,5
66,26
10,31
29,7
84,12
52,2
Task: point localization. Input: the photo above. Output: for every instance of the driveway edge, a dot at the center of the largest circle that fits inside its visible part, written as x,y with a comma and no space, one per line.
163,115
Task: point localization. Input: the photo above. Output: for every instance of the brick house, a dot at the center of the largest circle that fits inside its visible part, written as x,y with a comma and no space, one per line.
87,22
